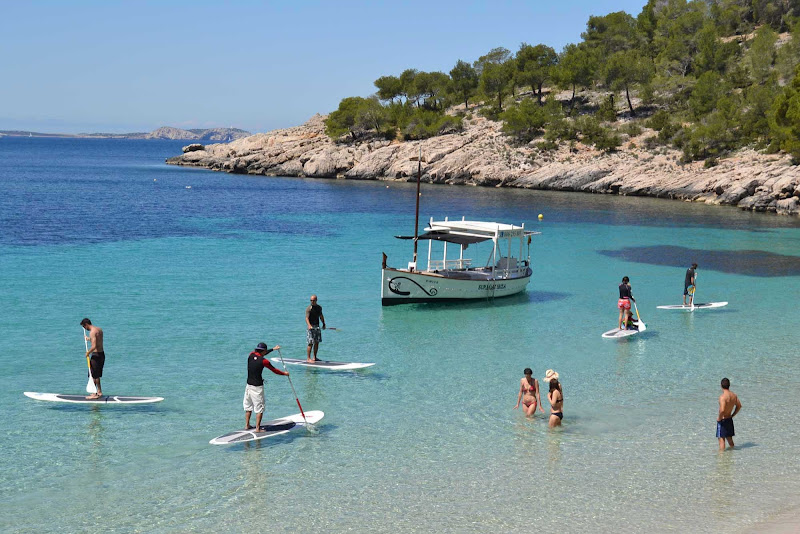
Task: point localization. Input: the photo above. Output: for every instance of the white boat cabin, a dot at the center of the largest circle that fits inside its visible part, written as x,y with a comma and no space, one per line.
508,258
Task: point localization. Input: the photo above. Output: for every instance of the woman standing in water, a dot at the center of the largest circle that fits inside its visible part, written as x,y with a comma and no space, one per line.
529,393
556,398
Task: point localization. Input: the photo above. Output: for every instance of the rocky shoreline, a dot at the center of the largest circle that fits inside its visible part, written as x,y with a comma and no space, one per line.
481,155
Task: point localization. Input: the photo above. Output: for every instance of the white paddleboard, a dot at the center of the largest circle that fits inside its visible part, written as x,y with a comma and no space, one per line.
81,399
268,429
687,307
617,333
323,364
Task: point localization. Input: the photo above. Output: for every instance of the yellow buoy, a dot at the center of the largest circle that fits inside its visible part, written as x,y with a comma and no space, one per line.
541,216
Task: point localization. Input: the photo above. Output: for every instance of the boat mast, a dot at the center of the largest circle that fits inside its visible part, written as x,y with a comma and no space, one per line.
416,218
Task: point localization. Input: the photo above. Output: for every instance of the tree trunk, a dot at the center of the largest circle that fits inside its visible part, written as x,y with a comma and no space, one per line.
540,94
628,96
500,100
466,103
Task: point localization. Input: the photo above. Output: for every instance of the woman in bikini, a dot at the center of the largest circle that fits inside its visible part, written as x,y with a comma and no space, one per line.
556,398
529,393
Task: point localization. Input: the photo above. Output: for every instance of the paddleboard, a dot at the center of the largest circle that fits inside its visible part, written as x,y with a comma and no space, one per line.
617,333
81,399
268,429
686,307
323,364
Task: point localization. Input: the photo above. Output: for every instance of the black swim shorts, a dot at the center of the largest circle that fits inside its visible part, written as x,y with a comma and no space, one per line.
96,362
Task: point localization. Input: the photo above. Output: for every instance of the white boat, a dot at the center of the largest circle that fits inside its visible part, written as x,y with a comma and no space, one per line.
507,270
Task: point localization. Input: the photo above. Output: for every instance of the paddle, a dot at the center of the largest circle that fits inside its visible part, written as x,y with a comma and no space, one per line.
640,324
693,291
331,328
90,387
311,428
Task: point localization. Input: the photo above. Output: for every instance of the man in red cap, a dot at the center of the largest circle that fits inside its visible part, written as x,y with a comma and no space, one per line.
254,391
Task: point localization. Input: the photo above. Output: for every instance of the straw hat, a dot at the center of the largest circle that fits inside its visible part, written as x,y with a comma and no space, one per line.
550,375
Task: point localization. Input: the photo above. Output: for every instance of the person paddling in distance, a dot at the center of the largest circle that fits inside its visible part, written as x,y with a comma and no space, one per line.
556,398
688,282
254,391
729,406
96,355
313,334
624,303
529,393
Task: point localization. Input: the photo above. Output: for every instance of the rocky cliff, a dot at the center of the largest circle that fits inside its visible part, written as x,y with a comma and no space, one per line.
482,155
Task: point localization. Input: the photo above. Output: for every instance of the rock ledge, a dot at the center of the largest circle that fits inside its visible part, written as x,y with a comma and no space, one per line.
481,155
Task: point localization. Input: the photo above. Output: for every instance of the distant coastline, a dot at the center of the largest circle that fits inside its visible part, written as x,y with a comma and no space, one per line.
220,135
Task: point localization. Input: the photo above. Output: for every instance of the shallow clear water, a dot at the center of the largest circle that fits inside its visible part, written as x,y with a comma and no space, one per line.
185,282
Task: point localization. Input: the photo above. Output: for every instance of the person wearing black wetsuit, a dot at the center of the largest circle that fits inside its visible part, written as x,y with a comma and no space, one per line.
624,303
254,391
687,282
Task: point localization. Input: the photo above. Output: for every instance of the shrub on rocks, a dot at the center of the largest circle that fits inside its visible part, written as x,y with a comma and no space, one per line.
524,121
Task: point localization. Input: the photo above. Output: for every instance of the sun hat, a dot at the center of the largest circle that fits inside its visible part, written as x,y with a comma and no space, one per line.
550,375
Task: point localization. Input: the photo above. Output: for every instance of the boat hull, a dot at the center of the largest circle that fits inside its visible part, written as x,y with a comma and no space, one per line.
404,287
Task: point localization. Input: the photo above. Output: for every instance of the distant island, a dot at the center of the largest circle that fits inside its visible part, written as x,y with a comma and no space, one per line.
220,135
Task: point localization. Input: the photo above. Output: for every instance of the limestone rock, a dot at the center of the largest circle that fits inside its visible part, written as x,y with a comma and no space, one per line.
482,155
787,206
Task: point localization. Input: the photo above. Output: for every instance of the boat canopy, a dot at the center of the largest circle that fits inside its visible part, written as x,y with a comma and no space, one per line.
458,239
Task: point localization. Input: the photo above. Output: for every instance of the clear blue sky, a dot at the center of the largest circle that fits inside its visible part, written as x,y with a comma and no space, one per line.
122,66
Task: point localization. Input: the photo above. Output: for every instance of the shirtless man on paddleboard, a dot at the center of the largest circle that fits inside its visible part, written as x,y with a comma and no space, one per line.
97,358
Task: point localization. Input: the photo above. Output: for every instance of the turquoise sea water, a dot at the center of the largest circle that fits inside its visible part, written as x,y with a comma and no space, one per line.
185,282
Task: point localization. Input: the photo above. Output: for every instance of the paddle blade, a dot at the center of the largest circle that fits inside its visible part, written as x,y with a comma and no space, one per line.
90,387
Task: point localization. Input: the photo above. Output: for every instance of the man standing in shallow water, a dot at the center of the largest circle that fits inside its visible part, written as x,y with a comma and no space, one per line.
313,334
97,358
729,406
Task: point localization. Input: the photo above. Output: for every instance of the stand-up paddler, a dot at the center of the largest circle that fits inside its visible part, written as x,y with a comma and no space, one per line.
254,391
313,333
96,355
688,284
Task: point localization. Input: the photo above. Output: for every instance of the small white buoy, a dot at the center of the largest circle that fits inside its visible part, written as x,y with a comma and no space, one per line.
155,180
188,187
541,216
387,187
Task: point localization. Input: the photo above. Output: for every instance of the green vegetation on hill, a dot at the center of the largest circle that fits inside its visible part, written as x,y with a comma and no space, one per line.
708,76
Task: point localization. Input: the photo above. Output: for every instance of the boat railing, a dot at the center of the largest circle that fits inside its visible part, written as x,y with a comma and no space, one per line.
510,268
449,265
504,274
